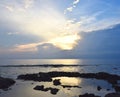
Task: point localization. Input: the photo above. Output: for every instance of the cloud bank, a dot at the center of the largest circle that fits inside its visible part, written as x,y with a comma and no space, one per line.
47,27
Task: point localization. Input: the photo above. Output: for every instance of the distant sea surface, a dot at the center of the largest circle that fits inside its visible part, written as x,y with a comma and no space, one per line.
58,61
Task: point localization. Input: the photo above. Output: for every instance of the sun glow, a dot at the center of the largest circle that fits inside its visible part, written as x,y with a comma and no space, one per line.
67,42
50,25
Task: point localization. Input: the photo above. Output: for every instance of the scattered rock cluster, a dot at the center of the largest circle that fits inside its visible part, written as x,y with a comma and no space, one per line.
52,90
47,76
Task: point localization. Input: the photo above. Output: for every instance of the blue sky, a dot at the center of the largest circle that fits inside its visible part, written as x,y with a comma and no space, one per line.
59,28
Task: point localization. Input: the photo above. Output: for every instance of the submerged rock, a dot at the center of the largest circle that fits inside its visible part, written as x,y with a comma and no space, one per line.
6,83
68,86
112,95
88,95
52,90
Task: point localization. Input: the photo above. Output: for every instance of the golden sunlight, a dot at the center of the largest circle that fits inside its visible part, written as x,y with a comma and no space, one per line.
70,81
67,42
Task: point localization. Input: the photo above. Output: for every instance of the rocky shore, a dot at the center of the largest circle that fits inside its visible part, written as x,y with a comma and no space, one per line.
48,77
5,83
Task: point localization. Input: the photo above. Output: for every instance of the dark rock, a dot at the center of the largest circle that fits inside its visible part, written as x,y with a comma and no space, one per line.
47,76
52,90
35,77
117,88
68,86
39,87
112,95
57,82
108,89
6,83
99,88
88,95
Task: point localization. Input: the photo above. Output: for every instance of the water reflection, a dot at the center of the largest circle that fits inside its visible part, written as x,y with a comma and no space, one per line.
72,81
39,61
69,69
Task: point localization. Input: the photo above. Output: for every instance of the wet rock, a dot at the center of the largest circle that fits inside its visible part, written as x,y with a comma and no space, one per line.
99,88
39,88
68,86
35,77
57,82
117,88
112,95
47,76
6,83
108,89
88,95
52,90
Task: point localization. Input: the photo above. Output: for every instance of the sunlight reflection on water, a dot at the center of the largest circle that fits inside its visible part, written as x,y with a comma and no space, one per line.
73,81
58,61
25,88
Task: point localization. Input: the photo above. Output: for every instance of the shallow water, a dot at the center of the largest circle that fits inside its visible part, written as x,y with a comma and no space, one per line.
25,88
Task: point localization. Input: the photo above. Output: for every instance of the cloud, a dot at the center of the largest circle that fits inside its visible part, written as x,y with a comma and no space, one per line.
75,2
10,8
100,25
67,42
28,3
16,5
32,47
54,27
50,24
13,33
70,9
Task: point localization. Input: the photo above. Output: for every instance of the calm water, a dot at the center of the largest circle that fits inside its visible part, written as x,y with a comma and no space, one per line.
25,88
58,61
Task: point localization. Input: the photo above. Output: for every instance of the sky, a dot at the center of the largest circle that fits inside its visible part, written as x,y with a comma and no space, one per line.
59,29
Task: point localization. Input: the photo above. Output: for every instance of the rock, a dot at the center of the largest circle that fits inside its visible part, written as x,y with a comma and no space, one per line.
47,76
35,77
6,83
112,95
52,90
68,86
57,82
99,88
39,87
108,89
117,88
88,95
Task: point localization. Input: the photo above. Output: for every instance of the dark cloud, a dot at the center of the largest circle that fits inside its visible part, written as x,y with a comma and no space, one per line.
98,44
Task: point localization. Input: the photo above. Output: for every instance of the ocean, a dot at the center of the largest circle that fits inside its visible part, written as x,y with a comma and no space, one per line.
11,68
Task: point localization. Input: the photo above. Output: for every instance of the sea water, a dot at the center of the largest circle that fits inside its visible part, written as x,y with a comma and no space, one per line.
12,68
